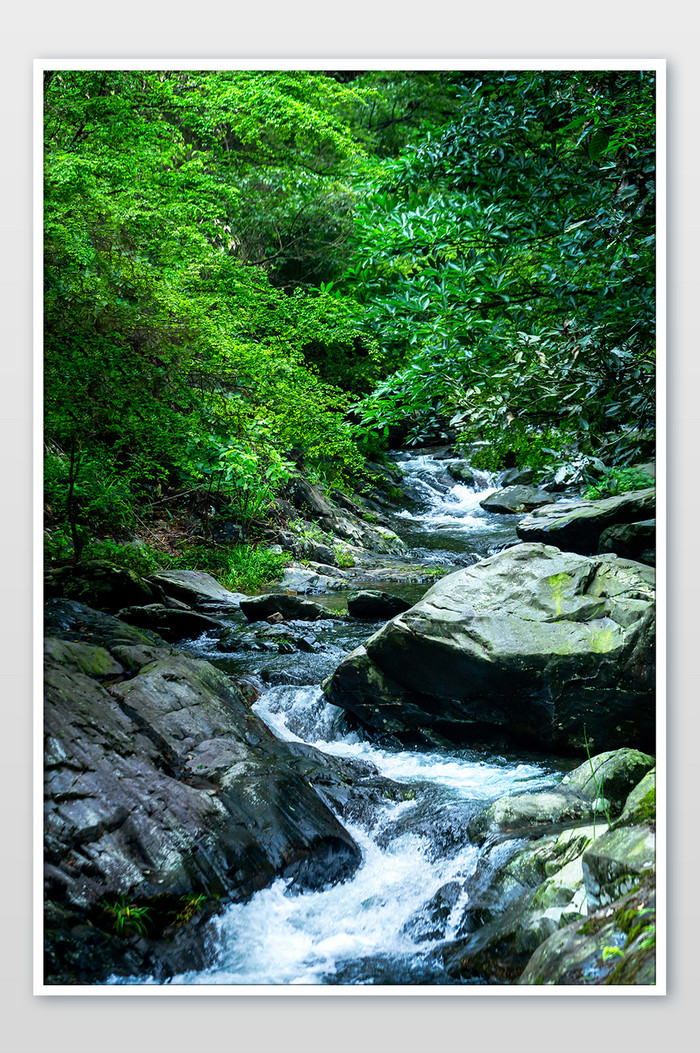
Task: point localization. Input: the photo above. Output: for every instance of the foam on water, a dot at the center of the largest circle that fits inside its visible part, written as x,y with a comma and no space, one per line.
377,926
302,715
279,937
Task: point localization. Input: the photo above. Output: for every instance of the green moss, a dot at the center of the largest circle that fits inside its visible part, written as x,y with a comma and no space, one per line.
646,808
603,640
93,661
558,583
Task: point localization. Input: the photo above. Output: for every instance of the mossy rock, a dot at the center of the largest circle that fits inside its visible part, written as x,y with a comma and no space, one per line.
100,585
609,776
640,806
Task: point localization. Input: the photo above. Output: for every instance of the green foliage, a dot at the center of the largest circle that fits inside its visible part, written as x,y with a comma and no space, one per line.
639,927
141,558
190,905
620,481
174,202
542,449
343,556
234,258
507,263
600,799
128,918
239,568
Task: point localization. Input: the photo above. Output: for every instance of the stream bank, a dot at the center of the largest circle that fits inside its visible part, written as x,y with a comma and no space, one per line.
387,880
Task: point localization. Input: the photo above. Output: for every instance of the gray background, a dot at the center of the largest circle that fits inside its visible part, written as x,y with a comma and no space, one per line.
367,28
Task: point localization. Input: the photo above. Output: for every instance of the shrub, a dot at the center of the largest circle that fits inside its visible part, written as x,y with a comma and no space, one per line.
619,481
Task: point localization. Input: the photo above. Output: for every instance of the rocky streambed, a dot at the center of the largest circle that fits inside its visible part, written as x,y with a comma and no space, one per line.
433,767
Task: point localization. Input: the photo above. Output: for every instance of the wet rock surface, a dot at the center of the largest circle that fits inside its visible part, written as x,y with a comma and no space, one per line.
516,498
577,526
538,643
161,784
371,604
574,906
165,792
196,588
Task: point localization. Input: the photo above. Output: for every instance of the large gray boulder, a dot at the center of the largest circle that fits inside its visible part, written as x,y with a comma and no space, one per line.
196,588
515,499
161,784
533,644
631,541
578,525
257,608
100,584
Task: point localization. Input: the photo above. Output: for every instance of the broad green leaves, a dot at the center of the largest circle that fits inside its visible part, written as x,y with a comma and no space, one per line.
172,360
507,263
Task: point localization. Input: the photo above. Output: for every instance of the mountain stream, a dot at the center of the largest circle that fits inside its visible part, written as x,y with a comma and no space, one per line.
387,924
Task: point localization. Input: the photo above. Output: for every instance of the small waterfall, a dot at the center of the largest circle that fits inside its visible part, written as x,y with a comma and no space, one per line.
386,924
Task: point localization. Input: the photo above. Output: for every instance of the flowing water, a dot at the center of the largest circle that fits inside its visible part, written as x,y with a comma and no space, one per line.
387,924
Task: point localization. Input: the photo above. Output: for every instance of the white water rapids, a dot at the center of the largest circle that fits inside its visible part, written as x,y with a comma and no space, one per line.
386,924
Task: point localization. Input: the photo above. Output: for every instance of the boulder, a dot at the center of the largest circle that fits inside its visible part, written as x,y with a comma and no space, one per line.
101,585
349,525
196,588
75,622
613,946
535,890
462,473
258,608
528,814
631,541
609,778
370,604
516,477
301,579
640,806
598,788
161,784
547,647
515,499
170,624
618,863
516,899
578,525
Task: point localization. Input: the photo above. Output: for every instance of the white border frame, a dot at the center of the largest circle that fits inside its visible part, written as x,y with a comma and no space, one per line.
659,989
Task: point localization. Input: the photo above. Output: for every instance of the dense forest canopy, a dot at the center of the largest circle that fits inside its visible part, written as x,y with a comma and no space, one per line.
252,273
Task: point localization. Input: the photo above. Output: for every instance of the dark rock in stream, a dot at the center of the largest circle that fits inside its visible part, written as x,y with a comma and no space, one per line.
170,624
548,907
631,541
516,477
515,499
258,608
545,646
196,588
370,604
578,525
162,788
462,473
